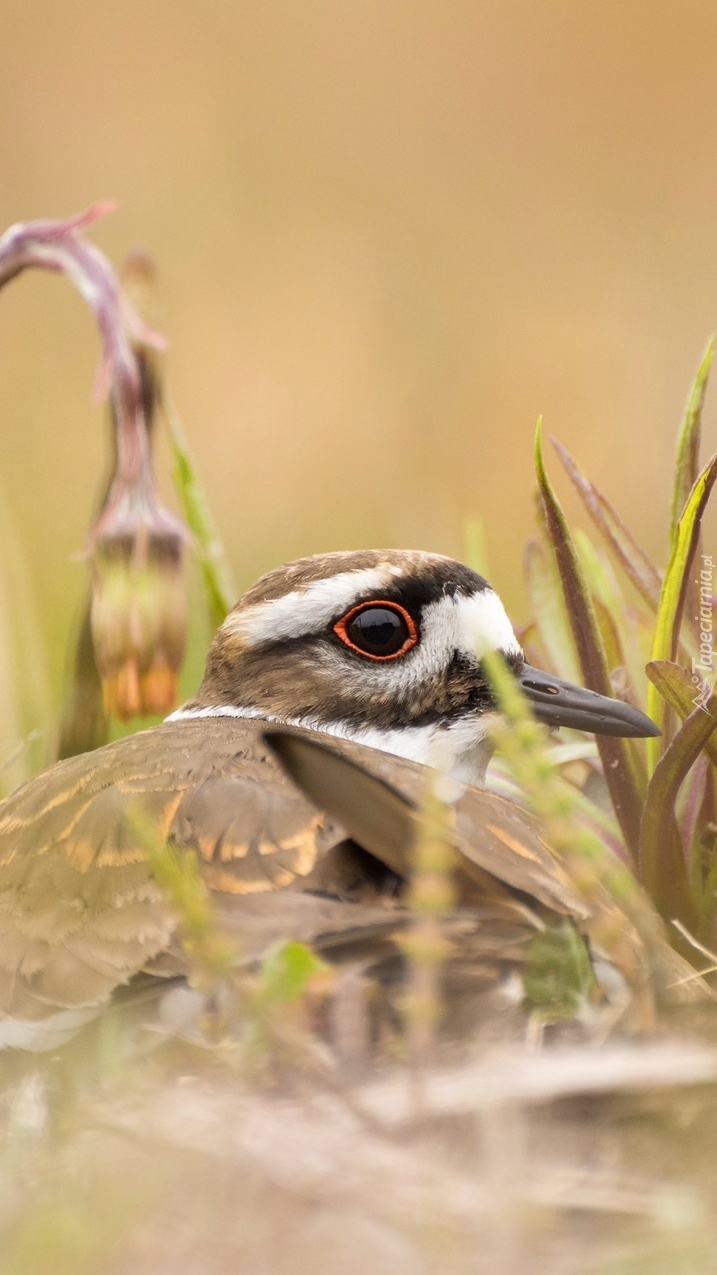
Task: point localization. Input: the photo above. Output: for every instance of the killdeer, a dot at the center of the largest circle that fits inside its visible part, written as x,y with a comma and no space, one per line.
384,648
381,649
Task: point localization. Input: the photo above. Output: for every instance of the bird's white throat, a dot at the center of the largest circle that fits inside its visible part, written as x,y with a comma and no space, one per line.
459,748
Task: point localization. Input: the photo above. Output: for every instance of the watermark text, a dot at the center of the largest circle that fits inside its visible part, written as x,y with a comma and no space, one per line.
703,665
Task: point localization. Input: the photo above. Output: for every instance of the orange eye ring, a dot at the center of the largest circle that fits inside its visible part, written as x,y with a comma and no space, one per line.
411,638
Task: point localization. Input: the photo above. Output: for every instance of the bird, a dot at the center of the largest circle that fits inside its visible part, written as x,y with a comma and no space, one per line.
376,653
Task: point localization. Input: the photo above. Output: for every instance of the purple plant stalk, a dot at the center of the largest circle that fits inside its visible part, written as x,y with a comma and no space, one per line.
135,544
58,245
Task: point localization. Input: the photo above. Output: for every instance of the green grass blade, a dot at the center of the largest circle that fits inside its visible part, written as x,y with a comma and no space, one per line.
682,692
606,602
688,439
674,590
220,590
211,952
621,923
687,468
285,974
620,776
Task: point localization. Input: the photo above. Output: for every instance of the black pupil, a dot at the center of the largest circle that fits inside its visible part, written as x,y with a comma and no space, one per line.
378,631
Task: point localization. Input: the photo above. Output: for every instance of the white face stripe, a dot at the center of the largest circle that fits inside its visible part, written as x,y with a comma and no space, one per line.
471,624
310,609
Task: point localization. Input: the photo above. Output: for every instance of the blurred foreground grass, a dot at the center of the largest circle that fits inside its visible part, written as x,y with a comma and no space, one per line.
536,1143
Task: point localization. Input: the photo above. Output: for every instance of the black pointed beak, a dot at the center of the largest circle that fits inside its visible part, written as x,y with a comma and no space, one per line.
558,703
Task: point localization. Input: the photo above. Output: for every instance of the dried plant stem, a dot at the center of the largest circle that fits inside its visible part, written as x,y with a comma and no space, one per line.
431,896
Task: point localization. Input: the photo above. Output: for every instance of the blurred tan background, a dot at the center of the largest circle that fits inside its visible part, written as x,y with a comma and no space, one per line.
390,234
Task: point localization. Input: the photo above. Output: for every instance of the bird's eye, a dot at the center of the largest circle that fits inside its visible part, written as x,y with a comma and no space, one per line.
378,630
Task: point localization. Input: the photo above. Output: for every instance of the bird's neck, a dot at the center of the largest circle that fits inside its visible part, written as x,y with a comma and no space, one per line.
460,748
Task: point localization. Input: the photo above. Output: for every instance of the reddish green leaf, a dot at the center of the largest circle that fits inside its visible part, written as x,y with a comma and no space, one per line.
694,811
622,782
626,627
661,857
610,637
547,605
633,560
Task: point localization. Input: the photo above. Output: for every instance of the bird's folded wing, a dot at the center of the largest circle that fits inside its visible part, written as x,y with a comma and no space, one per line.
377,798
79,911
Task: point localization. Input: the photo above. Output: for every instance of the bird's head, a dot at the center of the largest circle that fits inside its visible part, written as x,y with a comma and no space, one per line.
385,647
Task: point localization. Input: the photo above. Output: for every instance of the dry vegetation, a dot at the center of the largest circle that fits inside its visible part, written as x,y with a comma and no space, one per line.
286,1118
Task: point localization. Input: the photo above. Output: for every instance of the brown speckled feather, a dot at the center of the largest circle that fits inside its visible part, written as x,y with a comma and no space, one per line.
376,797
80,913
